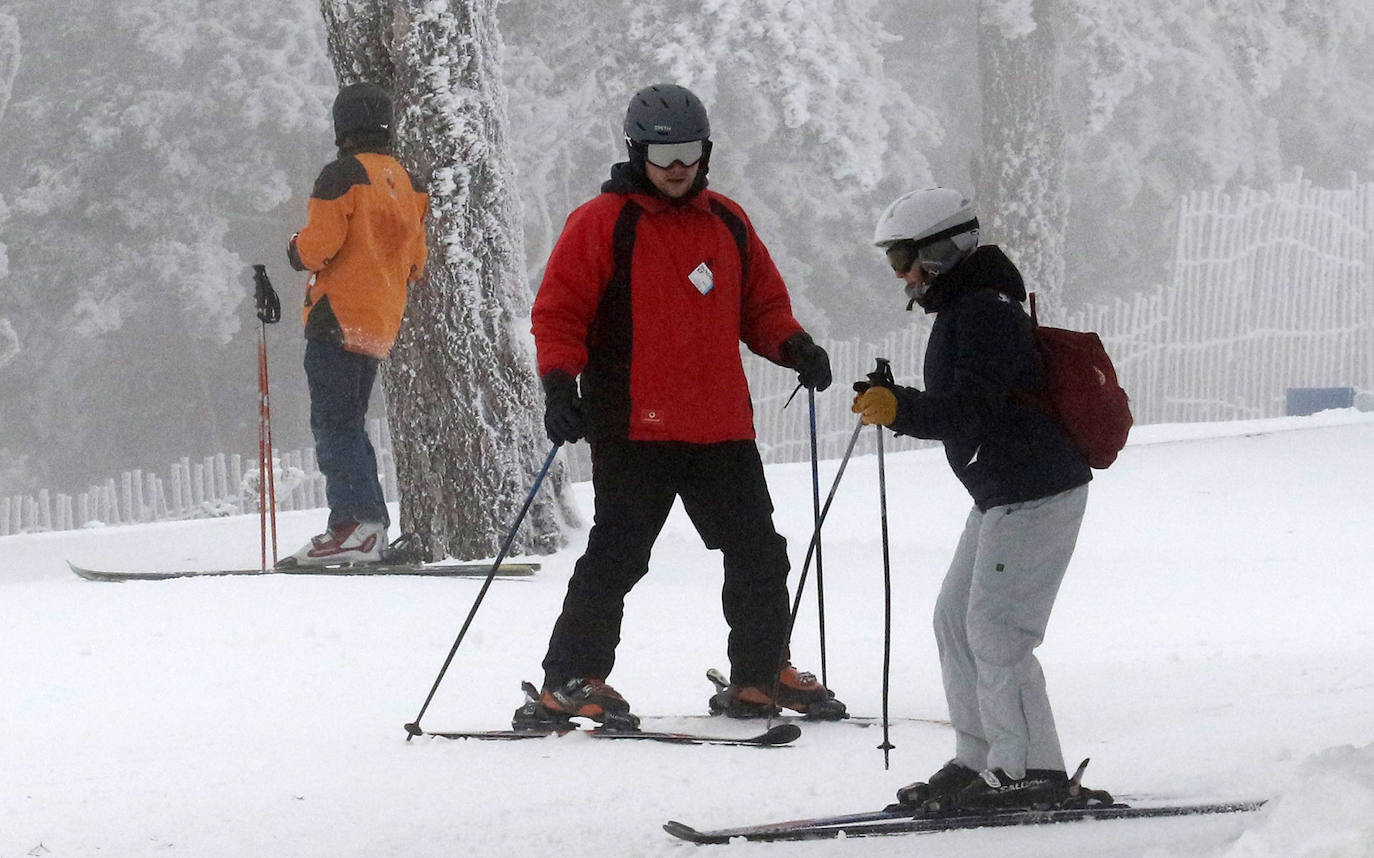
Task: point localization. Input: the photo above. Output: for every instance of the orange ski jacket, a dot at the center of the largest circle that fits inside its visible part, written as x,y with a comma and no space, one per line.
364,241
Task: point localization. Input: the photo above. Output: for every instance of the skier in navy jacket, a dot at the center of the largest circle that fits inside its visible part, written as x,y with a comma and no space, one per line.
1029,486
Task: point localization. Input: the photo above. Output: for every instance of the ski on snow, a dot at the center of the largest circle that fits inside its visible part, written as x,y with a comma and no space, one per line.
720,682
774,736
896,820
426,570
780,734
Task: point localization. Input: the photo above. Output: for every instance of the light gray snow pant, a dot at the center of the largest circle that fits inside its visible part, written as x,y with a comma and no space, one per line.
992,612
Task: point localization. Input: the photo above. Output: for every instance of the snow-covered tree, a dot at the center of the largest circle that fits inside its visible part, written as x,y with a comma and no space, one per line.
149,150
153,148
811,134
1151,101
9,342
1018,170
463,401
9,57
9,66
1175,96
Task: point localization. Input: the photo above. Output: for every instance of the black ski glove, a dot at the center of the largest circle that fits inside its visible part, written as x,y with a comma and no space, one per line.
269,305
564,421
293,255
810,361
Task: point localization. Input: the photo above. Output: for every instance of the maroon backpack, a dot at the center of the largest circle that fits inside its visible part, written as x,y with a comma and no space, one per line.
1081,391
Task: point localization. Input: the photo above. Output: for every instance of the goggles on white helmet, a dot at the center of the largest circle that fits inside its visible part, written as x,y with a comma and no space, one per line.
902,255
933,228
934,254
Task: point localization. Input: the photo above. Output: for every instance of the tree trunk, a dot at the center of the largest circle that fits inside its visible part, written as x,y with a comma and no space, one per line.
9,58
463,401
1018,173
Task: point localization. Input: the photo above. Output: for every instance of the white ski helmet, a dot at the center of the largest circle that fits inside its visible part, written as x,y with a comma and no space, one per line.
934,228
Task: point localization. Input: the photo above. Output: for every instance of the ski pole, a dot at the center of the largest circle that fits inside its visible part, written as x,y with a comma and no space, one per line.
882,377
815,545
816,533
806,564
268,492
887,746
262,454
413,728
269,311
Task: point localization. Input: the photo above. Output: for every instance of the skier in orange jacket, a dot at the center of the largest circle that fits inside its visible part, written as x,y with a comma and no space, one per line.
364,243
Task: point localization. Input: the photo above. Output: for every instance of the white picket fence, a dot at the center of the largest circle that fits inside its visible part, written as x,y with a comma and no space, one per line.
217,485
1271,289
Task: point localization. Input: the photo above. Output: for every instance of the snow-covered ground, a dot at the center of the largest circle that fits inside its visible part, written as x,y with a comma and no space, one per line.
1213,640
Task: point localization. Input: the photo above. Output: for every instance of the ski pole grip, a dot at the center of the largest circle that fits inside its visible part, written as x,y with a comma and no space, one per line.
881,376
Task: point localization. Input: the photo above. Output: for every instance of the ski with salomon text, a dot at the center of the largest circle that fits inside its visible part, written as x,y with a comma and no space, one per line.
898,819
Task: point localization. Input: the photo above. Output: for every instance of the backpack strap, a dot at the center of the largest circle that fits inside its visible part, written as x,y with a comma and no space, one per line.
623,243
1037,399
610,341
740,232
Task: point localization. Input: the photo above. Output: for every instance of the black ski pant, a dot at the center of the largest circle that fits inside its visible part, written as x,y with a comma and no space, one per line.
724,493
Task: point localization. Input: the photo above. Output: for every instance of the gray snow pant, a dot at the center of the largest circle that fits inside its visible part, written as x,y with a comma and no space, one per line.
992,612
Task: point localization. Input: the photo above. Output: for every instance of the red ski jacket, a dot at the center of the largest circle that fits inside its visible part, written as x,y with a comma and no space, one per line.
649,300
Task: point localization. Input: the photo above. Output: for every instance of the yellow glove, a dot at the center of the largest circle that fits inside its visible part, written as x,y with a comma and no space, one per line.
876,405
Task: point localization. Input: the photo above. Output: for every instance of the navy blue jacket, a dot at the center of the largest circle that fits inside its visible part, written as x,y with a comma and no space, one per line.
981,351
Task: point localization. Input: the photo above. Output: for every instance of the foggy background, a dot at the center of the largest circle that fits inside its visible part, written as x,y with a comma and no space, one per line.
150,151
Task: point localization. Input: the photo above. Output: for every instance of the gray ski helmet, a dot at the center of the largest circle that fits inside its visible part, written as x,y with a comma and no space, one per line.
361,107
666,113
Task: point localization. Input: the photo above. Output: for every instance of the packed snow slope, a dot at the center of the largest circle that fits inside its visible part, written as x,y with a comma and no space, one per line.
1212,641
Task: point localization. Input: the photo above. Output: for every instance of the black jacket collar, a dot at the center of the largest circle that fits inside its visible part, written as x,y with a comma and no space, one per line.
625,179
987,267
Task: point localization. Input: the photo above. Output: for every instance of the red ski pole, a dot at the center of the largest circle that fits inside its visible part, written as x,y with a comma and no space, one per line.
269,310
267,480
262,470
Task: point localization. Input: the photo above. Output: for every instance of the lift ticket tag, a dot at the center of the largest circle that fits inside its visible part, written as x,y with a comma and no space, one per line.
702,278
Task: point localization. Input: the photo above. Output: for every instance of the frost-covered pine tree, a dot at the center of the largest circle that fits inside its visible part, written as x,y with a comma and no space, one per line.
9,58
149,157
1018,173
1173,97
9,66
463,401
811,134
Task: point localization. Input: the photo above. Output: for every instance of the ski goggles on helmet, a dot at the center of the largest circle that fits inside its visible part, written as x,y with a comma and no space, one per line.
666,154
902,255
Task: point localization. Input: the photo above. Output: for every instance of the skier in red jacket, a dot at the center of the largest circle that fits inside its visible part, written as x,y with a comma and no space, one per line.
647,295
